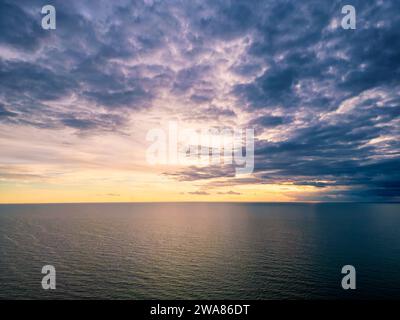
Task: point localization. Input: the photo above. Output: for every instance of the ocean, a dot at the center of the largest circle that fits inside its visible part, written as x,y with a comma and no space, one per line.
200,250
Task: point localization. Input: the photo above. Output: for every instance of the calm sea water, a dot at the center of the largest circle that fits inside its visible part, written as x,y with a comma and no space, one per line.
200,250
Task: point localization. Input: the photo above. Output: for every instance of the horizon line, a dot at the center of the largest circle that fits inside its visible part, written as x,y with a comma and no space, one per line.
205,202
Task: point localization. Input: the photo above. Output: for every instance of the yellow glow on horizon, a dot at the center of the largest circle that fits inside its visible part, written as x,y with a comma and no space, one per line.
150,192
40,167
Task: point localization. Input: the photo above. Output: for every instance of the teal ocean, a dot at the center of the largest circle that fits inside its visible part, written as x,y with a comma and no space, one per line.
200,250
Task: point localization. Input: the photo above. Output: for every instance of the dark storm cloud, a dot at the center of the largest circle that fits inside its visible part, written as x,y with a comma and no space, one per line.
268,121
302,49
194,173
33,81
19,27
79,58
190,78
5,113
313,68
339,153
105,122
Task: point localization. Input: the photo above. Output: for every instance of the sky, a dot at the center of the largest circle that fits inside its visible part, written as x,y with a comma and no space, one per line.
77,102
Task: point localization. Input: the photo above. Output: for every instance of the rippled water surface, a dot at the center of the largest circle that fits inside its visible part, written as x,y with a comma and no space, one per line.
200,250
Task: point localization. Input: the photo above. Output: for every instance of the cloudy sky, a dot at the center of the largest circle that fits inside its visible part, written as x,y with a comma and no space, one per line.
77,102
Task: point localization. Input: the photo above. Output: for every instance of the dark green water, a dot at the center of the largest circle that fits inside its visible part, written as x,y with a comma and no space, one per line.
200,250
